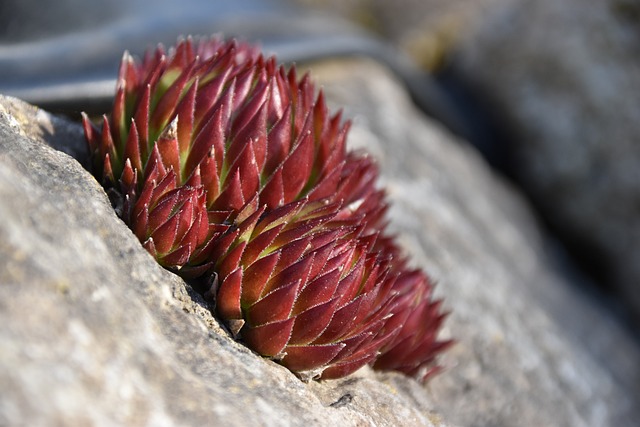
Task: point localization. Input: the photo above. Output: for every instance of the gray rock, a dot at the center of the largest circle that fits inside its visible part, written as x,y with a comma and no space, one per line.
564,76
426,30
94,332
533,350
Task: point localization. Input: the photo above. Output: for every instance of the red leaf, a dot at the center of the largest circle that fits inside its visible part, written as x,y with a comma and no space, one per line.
320,119
141,118
169,149
161,212
166,184
298,270
165,108
299,231
318,291
279,142
107,170
247,168
244,81
132,148
280,215
154,64
228,297
231,197
339,370
341,323
198,230
145,195
210,141
326,240
150,247
164,236
306,358
331,150
252,117
340,260
327,186
365,308
183,54
186,211
231,260
90,132
249,209
258,244
247,224
310,324
195,178
184,114
268,340
274,307
357,347
118,117
128,179
154,167
140,220
210,179
297,167
128,77
208,94
256,277
223,243
177,258
291,253
272,195
106,142
279,100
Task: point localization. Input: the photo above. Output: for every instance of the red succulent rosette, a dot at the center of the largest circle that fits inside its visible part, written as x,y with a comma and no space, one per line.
228,165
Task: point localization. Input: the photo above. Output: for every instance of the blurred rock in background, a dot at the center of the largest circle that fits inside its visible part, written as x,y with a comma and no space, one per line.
558,82
565,76
548,88
533,350
426,30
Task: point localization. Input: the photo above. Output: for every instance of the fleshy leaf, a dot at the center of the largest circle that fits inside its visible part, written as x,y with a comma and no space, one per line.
232,168
270,339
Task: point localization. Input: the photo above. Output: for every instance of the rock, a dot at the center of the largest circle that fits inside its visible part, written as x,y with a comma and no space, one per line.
95,332
562,75
426,30
533,349
554,76
90,321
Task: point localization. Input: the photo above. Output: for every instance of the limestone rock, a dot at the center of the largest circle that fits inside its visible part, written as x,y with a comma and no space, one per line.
564,76
94,332
559,79
533,350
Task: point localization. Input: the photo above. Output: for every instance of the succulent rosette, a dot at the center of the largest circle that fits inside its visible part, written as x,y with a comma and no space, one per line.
226,165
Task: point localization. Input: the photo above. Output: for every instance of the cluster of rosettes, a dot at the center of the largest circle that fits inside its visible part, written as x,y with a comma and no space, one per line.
231,167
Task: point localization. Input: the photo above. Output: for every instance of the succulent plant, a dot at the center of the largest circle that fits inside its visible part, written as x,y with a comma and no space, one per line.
228,166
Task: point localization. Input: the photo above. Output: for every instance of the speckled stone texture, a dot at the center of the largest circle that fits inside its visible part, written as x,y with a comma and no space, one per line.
94,332
533,349
557,79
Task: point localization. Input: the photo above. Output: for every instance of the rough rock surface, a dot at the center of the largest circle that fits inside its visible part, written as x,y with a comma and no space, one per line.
560,77
94,332
566,75
533,350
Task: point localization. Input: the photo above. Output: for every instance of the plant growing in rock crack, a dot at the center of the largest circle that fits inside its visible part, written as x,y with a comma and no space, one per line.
230,167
